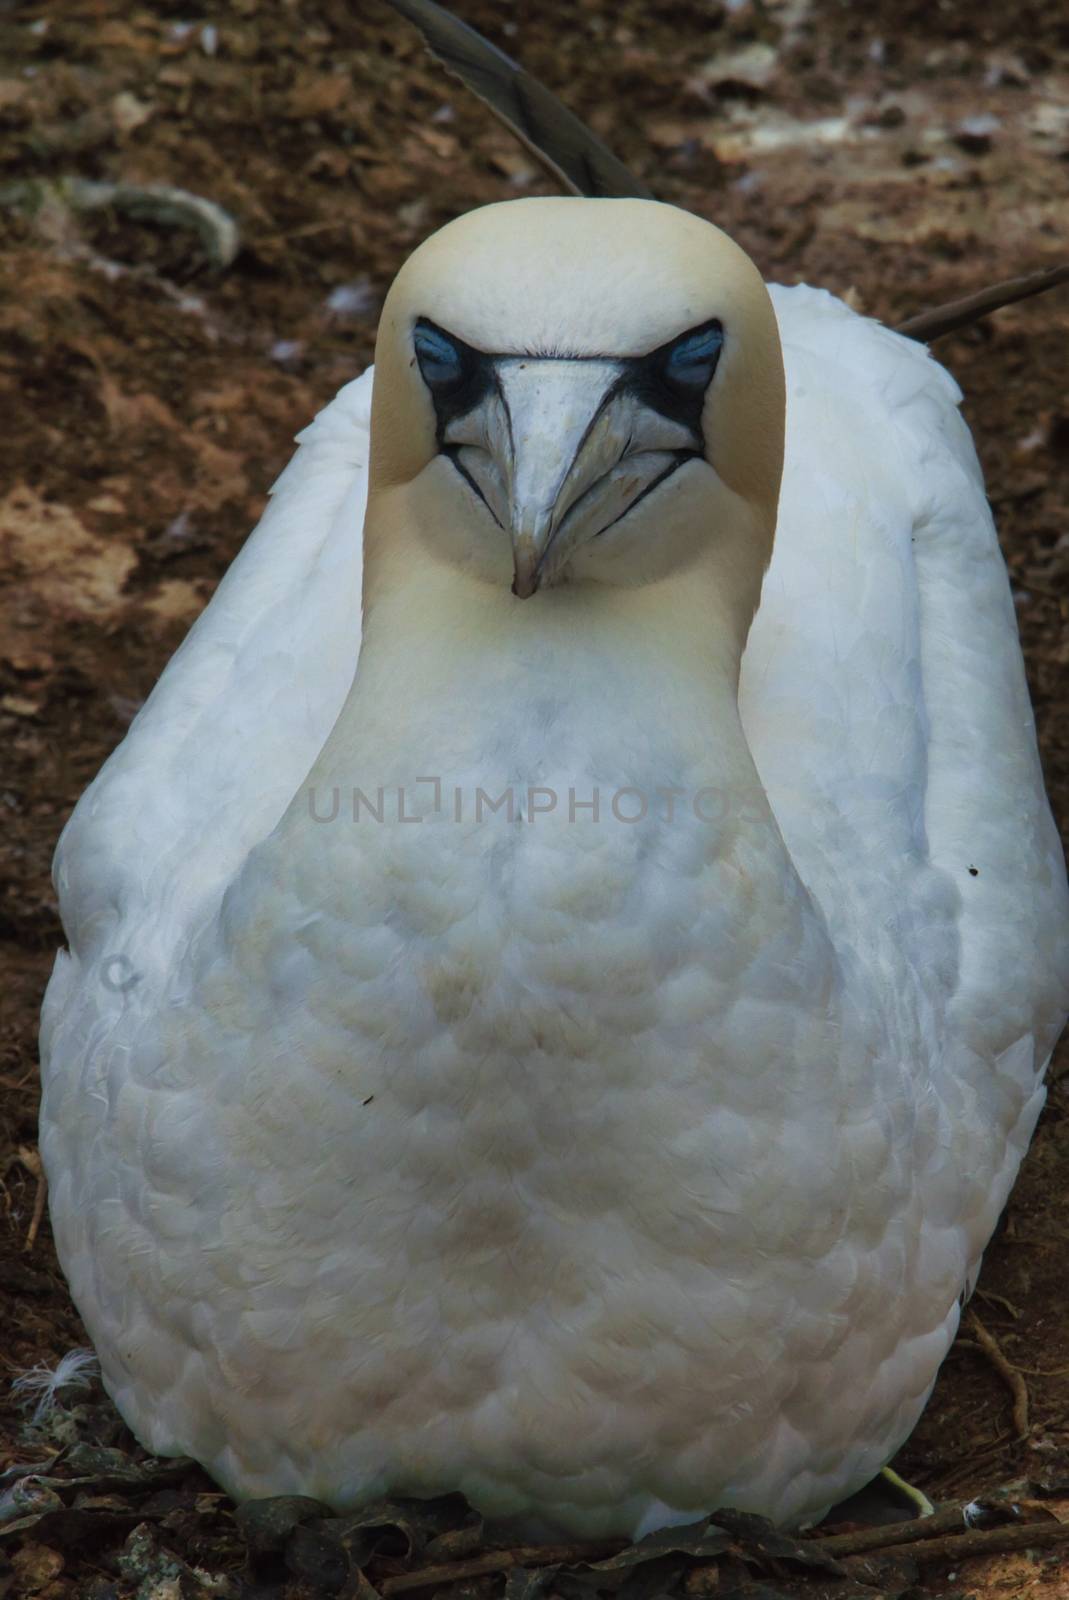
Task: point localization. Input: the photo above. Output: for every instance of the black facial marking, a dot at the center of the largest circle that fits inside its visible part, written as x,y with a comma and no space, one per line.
679,459
458,376
672,380
453,453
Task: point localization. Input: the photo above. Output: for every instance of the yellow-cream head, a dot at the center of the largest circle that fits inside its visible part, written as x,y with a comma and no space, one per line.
581,391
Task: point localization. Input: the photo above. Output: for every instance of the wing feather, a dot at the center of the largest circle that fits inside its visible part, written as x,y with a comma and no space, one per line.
884,696
223,741
564,145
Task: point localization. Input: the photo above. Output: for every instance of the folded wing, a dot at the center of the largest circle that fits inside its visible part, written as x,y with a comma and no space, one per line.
219,748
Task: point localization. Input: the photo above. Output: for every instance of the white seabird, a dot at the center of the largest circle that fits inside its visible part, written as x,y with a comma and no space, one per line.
626,1155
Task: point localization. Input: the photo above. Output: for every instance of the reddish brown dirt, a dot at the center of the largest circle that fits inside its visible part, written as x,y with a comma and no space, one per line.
148,403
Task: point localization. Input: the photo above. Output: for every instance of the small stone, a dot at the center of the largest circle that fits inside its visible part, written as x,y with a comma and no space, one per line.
18,705
128,113
35,1566
889,116
974,134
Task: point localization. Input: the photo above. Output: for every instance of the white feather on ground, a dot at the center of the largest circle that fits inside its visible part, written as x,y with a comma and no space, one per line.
46,1388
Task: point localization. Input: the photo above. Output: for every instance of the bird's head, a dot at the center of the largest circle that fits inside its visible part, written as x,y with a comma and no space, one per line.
582,391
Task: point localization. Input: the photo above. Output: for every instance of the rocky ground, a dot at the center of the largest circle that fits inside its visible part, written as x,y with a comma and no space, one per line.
897,152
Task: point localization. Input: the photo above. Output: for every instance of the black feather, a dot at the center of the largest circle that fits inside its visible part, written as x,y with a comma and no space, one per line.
579,160
556,138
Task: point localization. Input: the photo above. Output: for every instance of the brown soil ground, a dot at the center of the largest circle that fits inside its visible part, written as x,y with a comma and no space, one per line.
900,152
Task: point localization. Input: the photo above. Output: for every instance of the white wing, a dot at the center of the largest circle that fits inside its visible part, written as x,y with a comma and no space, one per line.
221,745
884,697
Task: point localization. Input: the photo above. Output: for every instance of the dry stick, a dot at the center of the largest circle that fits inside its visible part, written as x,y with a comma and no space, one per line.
999,1300
501,1561
31,1160
9,1083
951,1519
930,325
956,1547
38,1211
991,1541
1009,1374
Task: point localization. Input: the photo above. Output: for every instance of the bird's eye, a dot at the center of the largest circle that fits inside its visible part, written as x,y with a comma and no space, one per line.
443,360
691,361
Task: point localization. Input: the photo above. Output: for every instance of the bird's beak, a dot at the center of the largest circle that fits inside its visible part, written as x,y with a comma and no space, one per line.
553,458
558,450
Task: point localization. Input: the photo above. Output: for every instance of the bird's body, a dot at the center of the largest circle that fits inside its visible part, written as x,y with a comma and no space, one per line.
541,1064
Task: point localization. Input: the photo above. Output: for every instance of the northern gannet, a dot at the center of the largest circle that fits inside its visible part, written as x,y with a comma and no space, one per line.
621,1143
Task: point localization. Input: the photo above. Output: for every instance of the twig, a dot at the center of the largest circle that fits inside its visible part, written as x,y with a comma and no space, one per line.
1006,1370
10,1083
951,1519
38,1210
991,1541
989,1295
931,1539
501,1561
29,1158
929,325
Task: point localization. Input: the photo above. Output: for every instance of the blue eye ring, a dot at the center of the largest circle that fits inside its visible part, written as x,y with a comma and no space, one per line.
443,360
691,360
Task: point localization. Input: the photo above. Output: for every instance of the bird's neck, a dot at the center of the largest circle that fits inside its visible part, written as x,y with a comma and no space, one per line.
455,672
462,683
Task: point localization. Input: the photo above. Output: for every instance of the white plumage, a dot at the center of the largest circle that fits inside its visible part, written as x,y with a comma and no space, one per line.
605,1171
